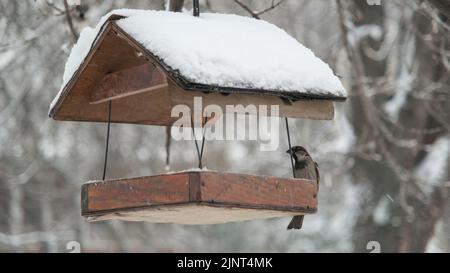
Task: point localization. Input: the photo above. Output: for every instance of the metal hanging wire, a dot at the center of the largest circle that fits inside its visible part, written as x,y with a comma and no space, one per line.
199,149
290,147
107,139
196,11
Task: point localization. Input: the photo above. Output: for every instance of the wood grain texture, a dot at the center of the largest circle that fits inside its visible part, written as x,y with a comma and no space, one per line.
308,109
128,82
111,54
135,193
192,214
257,191
166,198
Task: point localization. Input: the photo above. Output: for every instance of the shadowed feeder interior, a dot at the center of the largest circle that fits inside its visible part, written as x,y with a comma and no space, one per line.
121,73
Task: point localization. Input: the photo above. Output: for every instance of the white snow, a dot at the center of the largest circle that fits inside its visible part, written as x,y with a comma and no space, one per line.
81,49
204,169
433,168
220,49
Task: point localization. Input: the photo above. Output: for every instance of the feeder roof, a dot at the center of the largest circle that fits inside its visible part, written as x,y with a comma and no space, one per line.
220,51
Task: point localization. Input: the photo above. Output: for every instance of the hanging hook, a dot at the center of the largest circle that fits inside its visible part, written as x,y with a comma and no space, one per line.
196,8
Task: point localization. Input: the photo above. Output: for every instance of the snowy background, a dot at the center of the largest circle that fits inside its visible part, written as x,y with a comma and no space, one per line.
384,159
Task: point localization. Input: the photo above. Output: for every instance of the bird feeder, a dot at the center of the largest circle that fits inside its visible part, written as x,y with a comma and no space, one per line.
135,66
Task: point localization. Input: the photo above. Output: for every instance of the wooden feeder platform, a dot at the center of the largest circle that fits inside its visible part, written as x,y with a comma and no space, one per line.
198,198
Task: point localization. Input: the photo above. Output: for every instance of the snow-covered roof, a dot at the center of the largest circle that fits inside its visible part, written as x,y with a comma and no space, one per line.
221,50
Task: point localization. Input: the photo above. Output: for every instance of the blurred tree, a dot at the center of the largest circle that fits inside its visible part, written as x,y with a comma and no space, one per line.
391,149
381,187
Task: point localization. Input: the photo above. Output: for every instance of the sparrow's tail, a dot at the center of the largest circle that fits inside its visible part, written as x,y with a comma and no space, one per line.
296,222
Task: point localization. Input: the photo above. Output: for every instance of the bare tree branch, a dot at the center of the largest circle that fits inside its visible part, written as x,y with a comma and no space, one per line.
442,5
246,8
273,6
175,6
257,14
69,21
369,112
54,7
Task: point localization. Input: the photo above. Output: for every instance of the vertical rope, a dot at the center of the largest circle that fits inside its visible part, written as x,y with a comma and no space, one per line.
290,147
107,140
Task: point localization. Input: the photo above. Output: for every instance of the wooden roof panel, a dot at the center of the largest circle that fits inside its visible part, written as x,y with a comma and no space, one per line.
115,51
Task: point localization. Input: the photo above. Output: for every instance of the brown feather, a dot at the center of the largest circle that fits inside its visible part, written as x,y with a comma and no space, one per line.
305,169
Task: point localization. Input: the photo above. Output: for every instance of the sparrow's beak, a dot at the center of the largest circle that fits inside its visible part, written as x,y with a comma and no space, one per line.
289,151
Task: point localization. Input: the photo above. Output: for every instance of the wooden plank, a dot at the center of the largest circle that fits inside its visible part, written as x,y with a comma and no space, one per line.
257,191
152,108
128,82
192,214
135,193
109,55
308,109
195,187
167,198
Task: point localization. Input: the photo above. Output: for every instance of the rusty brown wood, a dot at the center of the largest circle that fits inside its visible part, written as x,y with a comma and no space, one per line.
238,196
135,193
254,191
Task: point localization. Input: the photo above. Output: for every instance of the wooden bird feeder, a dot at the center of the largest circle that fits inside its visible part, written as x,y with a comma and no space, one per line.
120,72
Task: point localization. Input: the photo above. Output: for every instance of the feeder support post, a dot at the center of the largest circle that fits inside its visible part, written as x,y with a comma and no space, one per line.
196,8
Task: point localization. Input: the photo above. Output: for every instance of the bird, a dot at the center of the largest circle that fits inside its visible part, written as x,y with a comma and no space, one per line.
306,168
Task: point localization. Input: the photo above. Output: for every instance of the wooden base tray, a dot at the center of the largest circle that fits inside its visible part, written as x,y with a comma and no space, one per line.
197,198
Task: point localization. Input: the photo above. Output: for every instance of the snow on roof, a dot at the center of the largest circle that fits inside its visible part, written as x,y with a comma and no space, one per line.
220,49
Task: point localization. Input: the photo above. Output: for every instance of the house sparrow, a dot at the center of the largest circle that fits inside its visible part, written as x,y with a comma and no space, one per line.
305,168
